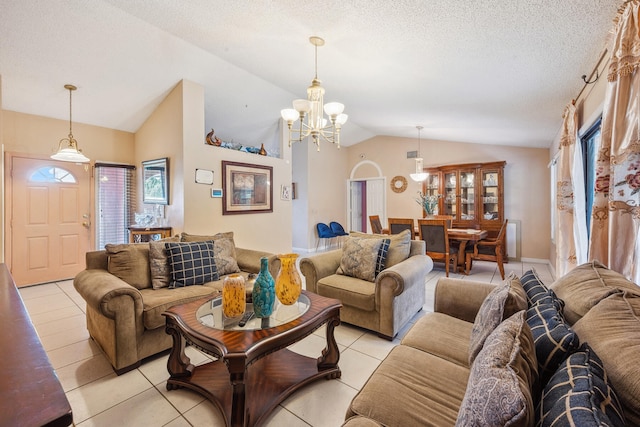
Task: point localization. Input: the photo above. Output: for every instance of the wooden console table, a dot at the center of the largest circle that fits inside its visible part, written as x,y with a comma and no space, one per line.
30,393
150,233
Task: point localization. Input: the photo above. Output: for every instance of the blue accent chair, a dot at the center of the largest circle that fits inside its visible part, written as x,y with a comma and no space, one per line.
324,232
338,230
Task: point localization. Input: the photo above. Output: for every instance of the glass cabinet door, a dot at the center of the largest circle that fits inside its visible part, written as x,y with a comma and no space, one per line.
450,193
490,195
467,195
432,187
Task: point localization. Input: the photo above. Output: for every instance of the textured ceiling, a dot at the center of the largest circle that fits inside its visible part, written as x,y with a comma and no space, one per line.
484,71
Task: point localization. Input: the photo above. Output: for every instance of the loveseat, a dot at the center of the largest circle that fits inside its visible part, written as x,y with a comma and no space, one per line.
127,287
378,278
519,354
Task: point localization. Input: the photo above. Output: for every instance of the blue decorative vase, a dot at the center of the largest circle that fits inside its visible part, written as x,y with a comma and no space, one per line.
264,291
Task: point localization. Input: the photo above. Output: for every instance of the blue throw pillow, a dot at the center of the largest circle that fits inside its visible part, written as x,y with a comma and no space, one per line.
579,394
381,261
552,336
537,291
191,263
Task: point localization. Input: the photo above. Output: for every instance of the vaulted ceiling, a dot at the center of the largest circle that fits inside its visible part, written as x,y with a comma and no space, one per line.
482,71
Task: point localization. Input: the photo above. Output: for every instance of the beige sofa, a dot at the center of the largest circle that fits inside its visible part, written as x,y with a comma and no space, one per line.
384,303
124,311
428,379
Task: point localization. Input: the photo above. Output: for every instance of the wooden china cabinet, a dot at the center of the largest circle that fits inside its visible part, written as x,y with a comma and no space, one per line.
473,193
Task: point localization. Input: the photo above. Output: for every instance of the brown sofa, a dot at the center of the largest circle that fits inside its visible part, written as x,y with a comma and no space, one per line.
387,302
124,311
428,380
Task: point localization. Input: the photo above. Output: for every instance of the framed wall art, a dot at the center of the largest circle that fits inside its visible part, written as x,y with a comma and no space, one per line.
246,188
155,181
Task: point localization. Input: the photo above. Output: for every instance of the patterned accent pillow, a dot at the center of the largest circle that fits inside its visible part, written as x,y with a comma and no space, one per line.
502,302
224,254
186,237
359,258
381,261
501,378
579,394
399,248
191,263
159,262
553,337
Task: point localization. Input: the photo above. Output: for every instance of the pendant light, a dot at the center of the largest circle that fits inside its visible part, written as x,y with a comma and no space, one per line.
420,175
68,150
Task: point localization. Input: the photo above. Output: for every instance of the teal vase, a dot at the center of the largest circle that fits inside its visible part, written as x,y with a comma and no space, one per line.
264,291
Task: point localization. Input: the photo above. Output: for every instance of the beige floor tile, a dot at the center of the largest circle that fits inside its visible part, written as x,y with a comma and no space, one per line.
73,353
65,324
62,313
374,346
104,393
345,334
312,346
282,417
206,414
31,292
64,338
83,372
178,422
43,304
322,403
182,399
356,367
148,408
155,368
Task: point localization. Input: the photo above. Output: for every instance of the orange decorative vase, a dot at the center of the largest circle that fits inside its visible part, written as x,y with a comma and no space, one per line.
288,281
233,296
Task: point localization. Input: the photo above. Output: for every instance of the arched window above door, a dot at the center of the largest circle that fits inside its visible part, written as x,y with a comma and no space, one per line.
52,174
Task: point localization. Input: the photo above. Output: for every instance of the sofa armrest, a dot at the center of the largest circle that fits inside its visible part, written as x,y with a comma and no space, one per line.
460,298
249,261
100,289
404,275
319,266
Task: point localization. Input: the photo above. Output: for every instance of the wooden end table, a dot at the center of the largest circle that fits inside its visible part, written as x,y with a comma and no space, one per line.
254,371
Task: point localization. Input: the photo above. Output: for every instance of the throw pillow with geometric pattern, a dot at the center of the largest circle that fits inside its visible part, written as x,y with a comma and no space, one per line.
191,263
537,291
381,261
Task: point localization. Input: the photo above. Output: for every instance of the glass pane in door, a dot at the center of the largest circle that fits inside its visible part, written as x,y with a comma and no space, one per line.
490,195
467,195
450,191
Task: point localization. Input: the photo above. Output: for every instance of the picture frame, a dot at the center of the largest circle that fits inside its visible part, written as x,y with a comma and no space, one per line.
155,181
246,188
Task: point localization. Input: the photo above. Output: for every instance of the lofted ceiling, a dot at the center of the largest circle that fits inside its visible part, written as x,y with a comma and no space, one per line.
481,71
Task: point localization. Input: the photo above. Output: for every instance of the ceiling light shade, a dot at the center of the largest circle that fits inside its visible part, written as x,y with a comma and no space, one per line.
68,150
310,112
419,175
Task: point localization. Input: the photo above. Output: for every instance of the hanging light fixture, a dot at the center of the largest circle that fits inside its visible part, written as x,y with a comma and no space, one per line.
68,150
309,111
420,175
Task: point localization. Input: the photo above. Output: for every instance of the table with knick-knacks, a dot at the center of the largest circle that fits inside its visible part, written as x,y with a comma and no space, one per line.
145,234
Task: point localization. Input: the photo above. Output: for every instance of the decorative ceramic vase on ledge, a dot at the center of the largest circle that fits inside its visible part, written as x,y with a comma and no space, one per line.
233,296
288,282
264,294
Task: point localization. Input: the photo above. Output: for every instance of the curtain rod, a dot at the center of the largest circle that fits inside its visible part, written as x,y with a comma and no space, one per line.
595,70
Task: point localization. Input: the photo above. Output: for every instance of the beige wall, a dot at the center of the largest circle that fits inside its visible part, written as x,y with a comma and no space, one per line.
526,180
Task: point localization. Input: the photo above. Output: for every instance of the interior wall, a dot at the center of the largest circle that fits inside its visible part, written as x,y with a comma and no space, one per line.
526,180
300,205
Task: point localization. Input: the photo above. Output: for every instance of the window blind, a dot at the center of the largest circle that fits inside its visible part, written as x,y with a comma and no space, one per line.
115,194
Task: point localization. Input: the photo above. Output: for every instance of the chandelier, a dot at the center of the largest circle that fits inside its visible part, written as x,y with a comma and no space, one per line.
420,175
310,112
68,150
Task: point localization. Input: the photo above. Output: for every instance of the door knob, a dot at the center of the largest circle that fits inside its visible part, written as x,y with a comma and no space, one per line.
86,224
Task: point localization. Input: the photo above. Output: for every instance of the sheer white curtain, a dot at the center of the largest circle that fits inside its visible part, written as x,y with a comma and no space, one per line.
571,227
615,220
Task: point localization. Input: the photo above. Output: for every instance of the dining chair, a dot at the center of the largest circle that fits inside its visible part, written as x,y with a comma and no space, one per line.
434,233
398,225
324,233
338,230
488,249
376,225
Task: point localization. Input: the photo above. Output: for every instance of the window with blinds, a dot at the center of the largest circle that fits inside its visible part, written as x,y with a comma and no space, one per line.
115,193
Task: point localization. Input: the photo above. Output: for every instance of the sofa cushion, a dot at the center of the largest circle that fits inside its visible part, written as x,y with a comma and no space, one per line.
159,262
186,237
579,394
399,247
359,258
157,301
612,329
441,335
224,255
499,391
350,291
537,291
191,263
586,285
410,387
553,337
506,299
383,252
130,262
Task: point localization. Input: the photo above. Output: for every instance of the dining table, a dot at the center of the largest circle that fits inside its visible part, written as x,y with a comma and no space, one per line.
463,236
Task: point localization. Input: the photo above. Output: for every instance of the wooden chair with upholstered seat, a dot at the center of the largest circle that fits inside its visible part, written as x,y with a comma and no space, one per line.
376,225
434,232
489,249
398,225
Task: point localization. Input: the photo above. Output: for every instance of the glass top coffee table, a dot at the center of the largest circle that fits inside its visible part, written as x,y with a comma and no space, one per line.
254,371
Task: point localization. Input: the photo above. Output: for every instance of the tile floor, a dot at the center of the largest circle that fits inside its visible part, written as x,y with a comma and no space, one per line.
139,398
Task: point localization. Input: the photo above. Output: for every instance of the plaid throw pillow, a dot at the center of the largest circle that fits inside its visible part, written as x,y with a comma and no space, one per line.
381,261
579,394
537,291
191,263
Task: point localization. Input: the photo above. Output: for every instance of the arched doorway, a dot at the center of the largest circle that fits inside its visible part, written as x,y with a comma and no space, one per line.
367,195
